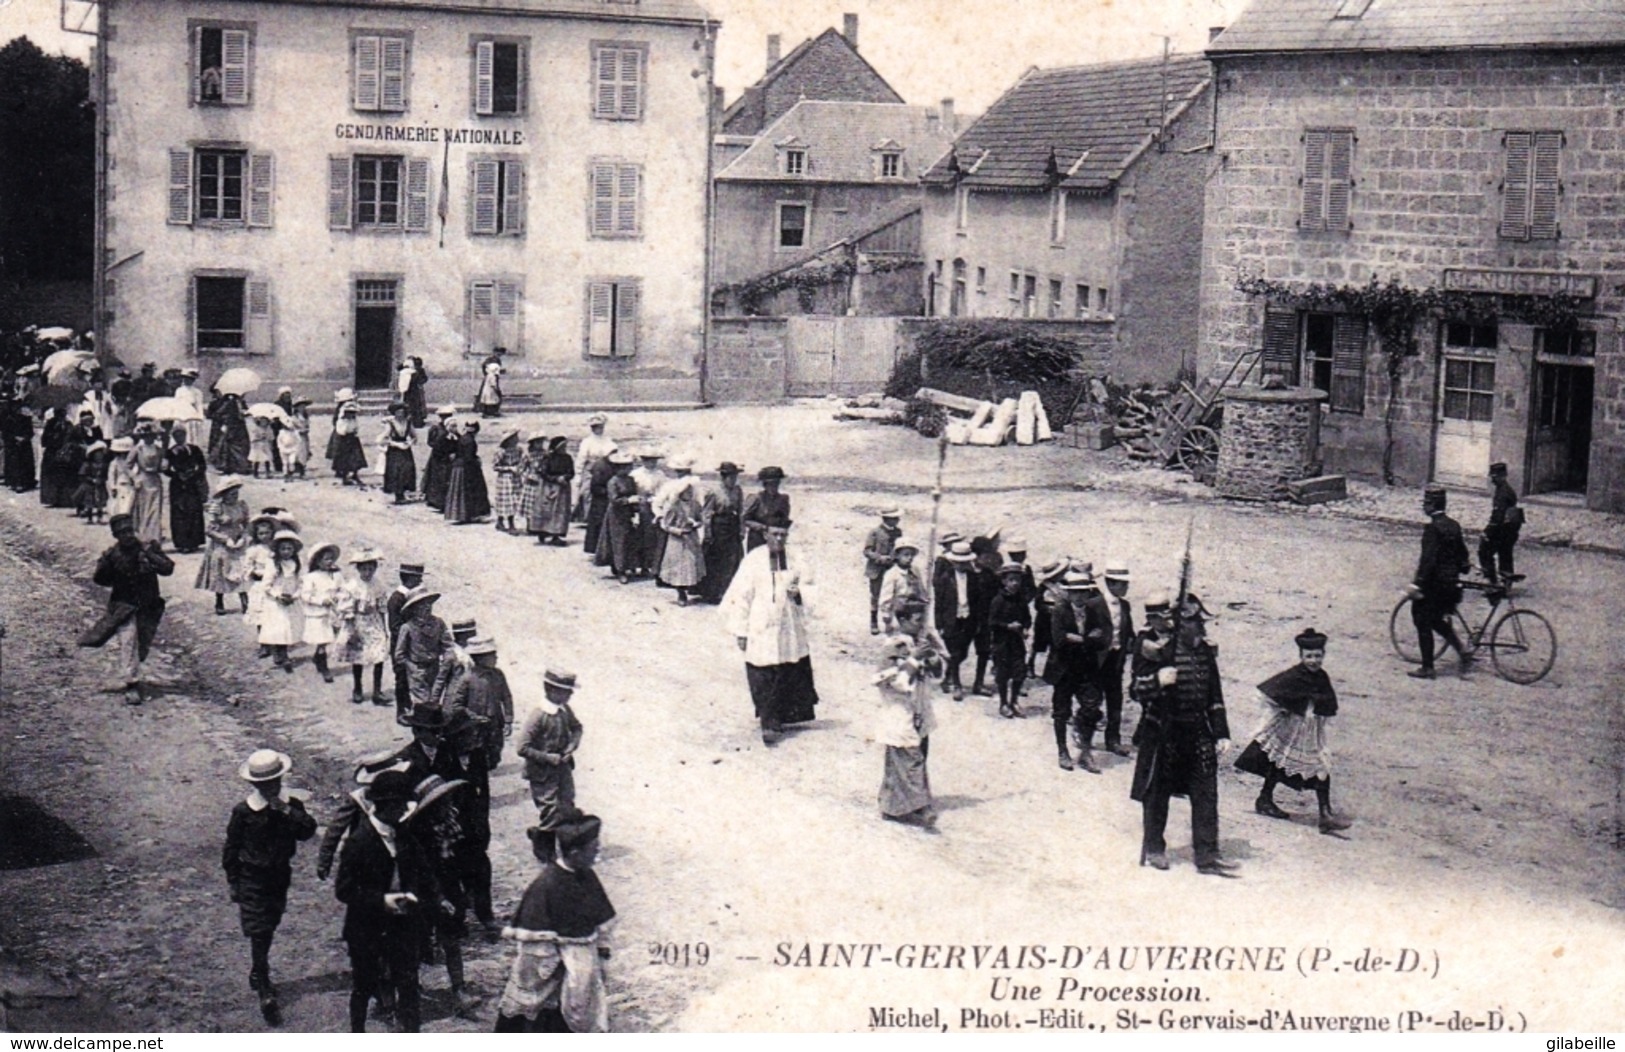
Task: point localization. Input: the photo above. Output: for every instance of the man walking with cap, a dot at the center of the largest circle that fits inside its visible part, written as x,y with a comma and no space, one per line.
902,581
395,619
1080,630
1436,588
548,745
877,559
961,607
1112,661
766,611
131,569
1501,533
261,838
766,508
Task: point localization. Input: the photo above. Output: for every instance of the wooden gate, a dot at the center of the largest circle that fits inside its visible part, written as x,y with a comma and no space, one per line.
839,355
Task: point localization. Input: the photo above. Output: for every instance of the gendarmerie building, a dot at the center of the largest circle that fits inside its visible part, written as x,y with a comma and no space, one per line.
317,189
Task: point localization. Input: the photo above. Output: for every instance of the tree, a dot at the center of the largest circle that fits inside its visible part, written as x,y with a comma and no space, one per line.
47,166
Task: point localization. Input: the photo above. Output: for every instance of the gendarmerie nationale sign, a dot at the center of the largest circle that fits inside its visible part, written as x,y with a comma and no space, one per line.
428,133
1520,282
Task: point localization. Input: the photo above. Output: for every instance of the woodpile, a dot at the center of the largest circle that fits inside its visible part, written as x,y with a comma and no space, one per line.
977,422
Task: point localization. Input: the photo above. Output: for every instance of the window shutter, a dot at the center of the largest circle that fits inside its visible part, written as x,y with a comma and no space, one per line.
604,84
257,317
484,75
234,67
1515,190
507,315
1348,362
603,199
338,192
1545,186
180,187
366,73
626,320
191,314
481,316
1339,178
1313,216
482,213
628,177
392,74
261,188
417,194
600,320
631,107
1280,356
513,198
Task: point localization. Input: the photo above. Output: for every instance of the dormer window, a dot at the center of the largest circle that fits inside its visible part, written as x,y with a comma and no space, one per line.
795,162
891,165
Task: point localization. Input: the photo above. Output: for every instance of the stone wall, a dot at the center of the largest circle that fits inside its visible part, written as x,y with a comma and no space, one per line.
1270,438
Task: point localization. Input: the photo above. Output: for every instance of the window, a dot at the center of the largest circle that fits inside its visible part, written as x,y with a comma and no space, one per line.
378,72
792,226
612,317
1466,334
891,165
1029,296
230,314
495,316
221,57
618,74
378,193
1469,389
616,190
795,162
1530,192
496,197
1057,217
1328,158
956,296
1573,343
1013,305
220,188
962,208
1083,301
1055,298
981,281
499,77
1103,300
1320,350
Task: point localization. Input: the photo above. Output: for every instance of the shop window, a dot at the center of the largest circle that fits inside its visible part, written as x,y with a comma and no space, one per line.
612,317
222,57
499,77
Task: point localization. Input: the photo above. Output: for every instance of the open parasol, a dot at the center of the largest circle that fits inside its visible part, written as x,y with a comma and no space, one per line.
64,365
270,411
173,410
238,381
54,332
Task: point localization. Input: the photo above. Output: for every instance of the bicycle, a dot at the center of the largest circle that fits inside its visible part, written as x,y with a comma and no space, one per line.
1521,642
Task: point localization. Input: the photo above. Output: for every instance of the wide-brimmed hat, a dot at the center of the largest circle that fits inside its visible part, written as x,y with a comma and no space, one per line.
728,467
949,538
558,442
1049,571
390,786
413,568
264,765
1013,568
959,552
1192,599
560,679
892,512
464,627
416,596
188,371
1116,570
651,453
905,544
509,436
446,410
318,550
433,788
396,407
95,447
620,457
1076,580
681,462
122,444
286,535
226,484
373,764
477,647
597,420
1158,602
1310,639
1016,544
344,394
268,520
536,442
770,473
365,554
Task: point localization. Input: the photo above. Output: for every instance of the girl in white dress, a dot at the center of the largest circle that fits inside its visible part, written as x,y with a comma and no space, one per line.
282,622
363,633
318,599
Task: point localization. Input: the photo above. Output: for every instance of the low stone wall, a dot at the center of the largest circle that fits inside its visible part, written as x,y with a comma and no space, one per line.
1270,438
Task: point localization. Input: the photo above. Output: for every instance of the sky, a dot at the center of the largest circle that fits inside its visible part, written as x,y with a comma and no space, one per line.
927,49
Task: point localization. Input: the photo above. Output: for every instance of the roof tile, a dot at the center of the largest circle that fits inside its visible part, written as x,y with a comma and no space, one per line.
1431,25
841,138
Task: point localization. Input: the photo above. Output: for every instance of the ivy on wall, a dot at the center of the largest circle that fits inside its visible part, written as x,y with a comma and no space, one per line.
808,278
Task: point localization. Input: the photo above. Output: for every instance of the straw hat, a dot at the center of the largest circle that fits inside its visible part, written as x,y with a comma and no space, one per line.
265,765
226,484
287,535
477,647
319,550
960,553
560,679
365,554
681,462
416,596
343,394
433,788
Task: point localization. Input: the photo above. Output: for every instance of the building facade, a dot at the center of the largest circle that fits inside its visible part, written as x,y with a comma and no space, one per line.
1442,151
825,67
319,189
1078,195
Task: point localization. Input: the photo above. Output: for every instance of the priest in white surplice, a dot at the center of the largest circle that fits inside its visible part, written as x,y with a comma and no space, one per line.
766,610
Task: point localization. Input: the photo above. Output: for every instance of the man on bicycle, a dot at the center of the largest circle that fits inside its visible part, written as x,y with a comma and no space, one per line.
1501,533
1436,588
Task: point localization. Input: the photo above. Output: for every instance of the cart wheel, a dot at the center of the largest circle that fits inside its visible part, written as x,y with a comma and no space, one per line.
1198,452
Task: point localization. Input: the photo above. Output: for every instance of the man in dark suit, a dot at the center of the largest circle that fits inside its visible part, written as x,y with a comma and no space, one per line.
1501,532
1121,612
1080,632
962,594
394,618
1436,588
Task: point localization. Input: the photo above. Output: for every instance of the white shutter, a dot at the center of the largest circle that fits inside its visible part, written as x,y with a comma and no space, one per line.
604,96
180,187
508,299
484,75
257,317
338,192
261,188
603,199
366,73
392,75
482,212
627,180
417,194
234,67
631,83
626,320
513,198
600,319
1313,215
481,317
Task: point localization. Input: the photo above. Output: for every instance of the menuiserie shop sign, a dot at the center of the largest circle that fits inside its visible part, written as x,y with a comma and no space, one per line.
431,134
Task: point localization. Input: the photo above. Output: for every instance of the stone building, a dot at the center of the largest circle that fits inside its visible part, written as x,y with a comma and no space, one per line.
825,67
317,189
1441,144
1078,195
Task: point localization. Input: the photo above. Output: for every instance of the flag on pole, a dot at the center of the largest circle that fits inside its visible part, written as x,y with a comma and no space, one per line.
445,190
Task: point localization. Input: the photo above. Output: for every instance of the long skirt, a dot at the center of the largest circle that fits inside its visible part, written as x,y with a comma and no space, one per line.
348,456
1291,749
782,693
186,517
906,785
555,517
57,485
281,624
651,539
255,590
20,465
466,495
148,511
509,494
234,454
222,569
530,504
723,552
618,546
683,565
436,475
596,507
400,472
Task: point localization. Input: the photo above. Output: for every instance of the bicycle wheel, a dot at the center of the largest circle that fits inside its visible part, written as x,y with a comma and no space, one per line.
1523,646
1402,631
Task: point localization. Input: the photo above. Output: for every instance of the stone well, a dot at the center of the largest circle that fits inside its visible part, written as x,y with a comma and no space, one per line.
1270,437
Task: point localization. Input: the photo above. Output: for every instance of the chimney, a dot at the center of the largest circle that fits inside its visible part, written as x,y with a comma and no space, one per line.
773,43
948,125
1213,33
849,29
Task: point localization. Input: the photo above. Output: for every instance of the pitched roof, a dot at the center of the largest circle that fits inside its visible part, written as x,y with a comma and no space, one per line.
1077,128
787,64
841,140
606,10
1427,25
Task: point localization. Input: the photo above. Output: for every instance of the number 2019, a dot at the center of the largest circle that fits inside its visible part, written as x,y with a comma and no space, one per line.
680,954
